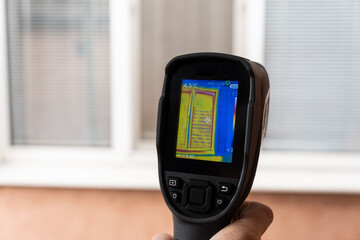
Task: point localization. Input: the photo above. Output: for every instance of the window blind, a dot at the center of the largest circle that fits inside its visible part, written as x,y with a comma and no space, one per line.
59,72
312,54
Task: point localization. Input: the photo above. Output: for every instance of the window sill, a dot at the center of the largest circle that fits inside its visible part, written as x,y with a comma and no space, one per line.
111,175
277,172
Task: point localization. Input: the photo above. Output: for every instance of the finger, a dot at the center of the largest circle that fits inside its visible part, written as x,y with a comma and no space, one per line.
162,236
253,220
255,216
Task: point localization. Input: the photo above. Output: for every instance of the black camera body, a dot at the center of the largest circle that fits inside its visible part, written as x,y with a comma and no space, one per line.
212,119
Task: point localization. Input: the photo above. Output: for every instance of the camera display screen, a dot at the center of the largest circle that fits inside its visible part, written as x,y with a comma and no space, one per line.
207,120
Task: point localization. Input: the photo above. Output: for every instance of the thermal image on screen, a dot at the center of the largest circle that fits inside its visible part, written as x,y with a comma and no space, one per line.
207,120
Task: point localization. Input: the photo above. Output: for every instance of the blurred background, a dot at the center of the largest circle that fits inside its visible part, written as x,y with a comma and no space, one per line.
79,86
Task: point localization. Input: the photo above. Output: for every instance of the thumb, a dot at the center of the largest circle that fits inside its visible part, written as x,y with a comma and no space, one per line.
253,220
162,236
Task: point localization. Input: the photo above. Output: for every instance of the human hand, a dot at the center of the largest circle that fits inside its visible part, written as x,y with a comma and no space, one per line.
250,222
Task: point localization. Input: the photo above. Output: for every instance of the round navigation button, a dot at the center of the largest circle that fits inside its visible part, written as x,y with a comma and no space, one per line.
197,195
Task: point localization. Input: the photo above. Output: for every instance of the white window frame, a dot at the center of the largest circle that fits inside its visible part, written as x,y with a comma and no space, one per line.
291,171
118,166
132,164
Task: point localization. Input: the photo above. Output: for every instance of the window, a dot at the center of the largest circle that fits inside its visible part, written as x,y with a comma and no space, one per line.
65,106
79,99
312,53
59,72
311,50
171,28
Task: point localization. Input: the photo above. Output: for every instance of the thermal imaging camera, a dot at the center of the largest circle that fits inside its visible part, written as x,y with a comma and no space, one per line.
212,119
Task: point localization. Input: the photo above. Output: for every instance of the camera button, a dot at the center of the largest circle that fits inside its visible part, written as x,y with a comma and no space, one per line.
173,182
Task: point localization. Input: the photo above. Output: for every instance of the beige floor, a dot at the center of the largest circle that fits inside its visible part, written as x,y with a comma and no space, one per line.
66,214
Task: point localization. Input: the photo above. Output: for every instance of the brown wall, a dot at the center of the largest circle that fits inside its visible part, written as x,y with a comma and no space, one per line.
58,214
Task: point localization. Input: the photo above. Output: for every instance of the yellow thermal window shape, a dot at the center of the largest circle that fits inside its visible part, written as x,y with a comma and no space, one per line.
203,121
